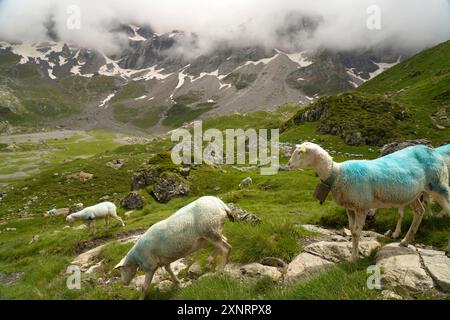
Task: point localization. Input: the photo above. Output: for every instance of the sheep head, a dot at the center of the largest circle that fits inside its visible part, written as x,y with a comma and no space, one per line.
303,155
70,219
127,270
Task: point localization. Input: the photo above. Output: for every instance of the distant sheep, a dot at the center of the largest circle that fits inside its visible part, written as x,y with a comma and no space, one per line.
392,181
90,214
245,183
184,232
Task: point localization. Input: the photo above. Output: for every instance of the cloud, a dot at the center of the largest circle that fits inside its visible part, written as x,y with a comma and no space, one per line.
405,24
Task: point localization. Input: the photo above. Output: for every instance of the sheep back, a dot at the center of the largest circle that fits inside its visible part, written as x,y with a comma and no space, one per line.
391,180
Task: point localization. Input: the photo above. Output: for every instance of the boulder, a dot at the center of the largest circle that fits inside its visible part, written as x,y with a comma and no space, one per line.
318,229
195,270
304,264
76,207
438,266
116,164
240,214
396,146
82,176
57,212
169,185
253,271
8,279
132,201
145,177
340,251
402,267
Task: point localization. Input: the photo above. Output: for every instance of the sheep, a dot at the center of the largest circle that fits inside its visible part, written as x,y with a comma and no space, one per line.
90,214
245,183
444,151
392,181
184,232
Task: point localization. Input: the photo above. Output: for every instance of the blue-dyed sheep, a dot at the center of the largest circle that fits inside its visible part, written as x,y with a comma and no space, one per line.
392,181
444,151
90,214
184,232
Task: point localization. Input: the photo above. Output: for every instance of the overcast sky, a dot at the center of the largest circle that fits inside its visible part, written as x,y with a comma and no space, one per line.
405,24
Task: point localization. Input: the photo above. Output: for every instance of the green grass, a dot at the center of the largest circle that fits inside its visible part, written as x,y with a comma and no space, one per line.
141,118
180,114
132,89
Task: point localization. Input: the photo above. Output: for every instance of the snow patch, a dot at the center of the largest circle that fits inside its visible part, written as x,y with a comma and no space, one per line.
140,98
107,99
383,67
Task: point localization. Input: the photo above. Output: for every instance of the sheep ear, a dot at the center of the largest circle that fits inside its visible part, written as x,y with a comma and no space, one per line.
303,148
120,264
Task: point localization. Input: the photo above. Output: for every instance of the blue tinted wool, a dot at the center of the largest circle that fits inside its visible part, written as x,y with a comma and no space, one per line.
395,179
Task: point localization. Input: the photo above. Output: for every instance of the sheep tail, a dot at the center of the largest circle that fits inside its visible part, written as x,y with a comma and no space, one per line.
229,213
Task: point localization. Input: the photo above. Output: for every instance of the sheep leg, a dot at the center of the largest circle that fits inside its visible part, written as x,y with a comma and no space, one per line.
417,219
223,246
427,200
116,217
359,221
93,226
147,282
107,221
351,218
398,228
447,253
172,275
212,257
443,198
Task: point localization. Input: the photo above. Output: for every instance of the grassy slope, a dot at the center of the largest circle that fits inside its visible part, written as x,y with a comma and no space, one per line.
419,85
275,199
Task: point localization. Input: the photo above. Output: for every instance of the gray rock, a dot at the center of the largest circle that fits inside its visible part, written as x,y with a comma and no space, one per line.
132,201
340,251
8,279
304,264
170,185
195,270
253,271
318,229
396,146
390,295
240,214
438,266
116,164
402,267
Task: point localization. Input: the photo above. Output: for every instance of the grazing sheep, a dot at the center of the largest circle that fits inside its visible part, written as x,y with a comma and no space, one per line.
90,214
183,233
392,181
245,183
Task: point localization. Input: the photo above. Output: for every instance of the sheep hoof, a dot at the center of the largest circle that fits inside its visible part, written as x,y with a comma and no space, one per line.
404,243
395,235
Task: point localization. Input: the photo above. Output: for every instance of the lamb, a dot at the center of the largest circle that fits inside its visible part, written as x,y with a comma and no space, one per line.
392,181
184,232
245,183
90,214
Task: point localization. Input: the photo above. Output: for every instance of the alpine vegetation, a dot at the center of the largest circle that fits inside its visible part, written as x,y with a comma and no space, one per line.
184,232
392,181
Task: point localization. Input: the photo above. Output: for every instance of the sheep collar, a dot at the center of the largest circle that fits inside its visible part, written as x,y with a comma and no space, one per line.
324,187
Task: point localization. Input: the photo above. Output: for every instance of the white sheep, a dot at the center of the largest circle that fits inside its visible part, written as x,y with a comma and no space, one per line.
392,181
184,232
245,183
90,214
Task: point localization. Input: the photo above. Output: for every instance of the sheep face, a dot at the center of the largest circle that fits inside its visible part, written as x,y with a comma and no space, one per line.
70,219
127,270
300,157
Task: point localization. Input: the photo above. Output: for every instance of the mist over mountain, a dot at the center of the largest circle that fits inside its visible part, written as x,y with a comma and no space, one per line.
340,25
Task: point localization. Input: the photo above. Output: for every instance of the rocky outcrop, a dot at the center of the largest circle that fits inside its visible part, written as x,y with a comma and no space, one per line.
116,164
304,264
169,185
396,146
82,176
402,267
340,251
240,214
438,266
132,201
